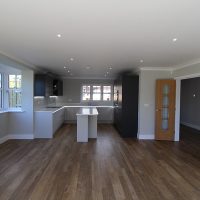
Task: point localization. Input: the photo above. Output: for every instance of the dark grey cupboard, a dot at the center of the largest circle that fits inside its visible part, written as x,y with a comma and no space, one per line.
57,87
126,88
43,85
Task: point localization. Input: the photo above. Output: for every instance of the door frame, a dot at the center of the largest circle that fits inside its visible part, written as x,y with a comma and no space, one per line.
178,101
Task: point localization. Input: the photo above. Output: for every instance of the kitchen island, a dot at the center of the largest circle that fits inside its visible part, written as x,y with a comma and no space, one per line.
86,124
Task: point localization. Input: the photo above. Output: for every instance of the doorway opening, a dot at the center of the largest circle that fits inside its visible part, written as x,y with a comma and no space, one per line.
190,108
179,118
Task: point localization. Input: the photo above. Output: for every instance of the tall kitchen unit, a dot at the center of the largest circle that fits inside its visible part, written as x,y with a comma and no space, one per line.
126,88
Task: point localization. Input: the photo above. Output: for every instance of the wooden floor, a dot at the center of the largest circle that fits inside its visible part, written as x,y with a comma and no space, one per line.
107,168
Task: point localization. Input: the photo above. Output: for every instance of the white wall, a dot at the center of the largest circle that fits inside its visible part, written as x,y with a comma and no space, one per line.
18,125
147,87
72,90
22,123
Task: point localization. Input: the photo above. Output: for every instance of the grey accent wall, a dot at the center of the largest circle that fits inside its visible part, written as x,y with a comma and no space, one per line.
72,90
147,88
190,102
3,124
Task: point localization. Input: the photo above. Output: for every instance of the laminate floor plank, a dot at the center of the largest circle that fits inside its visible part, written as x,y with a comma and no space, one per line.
109,168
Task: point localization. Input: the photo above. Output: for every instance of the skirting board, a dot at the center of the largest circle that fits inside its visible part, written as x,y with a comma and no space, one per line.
4,139
191,125
146,137
16,137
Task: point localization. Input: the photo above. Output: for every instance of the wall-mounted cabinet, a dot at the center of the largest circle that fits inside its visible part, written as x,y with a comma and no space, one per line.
43,85
57,87
126,105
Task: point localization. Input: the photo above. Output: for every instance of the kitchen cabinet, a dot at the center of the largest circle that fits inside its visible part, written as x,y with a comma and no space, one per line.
48,122
57,87
43,85
58,119
126,105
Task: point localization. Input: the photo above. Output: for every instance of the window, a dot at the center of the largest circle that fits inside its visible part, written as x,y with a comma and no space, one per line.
86,92
96,92
14,91
107,93
1,91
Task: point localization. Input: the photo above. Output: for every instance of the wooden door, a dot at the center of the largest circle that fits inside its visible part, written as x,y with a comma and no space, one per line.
165,109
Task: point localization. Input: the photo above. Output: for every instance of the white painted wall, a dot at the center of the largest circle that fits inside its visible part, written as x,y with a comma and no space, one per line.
147,87
72,91
22,123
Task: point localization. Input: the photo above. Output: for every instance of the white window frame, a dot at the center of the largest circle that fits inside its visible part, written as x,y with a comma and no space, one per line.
5,90
91,92
16,90
1,91
107,92
82,92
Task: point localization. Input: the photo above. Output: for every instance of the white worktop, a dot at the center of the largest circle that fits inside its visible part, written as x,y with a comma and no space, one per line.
87,111
55,109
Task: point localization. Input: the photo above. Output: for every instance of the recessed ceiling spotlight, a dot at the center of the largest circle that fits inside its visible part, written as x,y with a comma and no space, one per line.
71,59
65,67
110,68
174,39
59,35
107,72
68,71
141,61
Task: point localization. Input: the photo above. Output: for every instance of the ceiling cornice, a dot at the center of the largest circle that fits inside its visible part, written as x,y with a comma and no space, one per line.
185,65
19,62
156,69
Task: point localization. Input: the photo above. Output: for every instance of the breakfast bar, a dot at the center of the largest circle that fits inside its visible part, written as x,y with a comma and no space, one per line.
86,124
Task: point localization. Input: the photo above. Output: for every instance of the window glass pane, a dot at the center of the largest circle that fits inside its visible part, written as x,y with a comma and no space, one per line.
86,96
1,91
11,81
1,99
106,97
96,96
96,89
0,81
106,89
86,92
86,89
19,79
14,98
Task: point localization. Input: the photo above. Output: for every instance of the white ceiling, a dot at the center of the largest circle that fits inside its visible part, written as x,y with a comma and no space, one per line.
100,33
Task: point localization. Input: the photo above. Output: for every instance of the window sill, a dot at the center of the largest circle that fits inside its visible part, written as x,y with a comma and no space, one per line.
12,110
